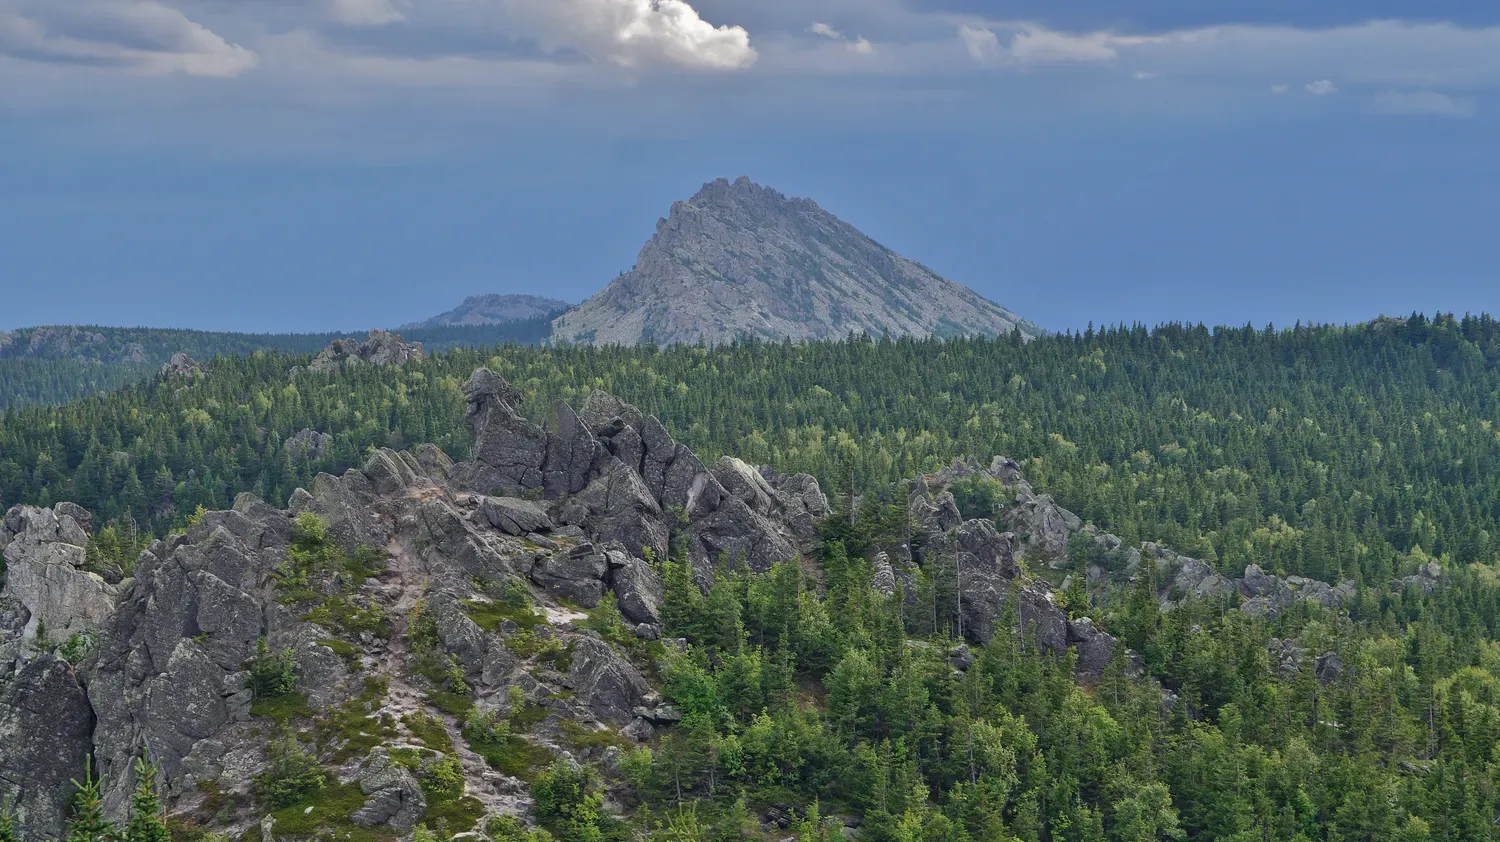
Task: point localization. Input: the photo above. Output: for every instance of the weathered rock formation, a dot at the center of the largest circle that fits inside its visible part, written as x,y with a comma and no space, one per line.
738,259
381,348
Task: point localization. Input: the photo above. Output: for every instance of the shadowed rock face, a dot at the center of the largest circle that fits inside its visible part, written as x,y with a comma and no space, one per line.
46,726
738,259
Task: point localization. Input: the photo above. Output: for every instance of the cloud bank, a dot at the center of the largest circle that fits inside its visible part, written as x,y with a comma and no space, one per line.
1429,103
138,36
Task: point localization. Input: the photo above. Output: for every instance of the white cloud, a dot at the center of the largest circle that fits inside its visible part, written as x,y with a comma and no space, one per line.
859,45
635,33
140,36
1322,87
1278,89
983,44
1035,44
1429,103
364,12
1144,74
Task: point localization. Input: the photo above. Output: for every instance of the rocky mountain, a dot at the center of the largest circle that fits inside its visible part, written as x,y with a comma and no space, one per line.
739,259
392,585
495,309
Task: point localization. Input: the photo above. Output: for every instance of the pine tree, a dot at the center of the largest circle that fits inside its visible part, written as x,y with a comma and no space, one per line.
147,818
89,823
7,824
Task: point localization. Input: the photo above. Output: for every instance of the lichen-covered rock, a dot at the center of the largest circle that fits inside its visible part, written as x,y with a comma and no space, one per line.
576,576
515,516
46,725
1043,526
393,798
637,587
606,683
45,552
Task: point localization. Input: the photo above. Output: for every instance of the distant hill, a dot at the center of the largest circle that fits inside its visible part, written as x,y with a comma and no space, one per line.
493,310
739,260
58,363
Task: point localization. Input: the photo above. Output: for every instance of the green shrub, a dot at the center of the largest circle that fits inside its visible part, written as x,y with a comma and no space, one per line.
291,775
272,674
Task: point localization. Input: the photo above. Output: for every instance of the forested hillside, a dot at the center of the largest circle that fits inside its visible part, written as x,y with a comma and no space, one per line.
1322,451
52,365
421,657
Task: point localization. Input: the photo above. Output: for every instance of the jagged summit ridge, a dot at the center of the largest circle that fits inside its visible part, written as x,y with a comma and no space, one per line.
740,259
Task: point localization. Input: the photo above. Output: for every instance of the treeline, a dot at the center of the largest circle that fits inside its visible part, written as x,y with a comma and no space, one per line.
52,365
1331,452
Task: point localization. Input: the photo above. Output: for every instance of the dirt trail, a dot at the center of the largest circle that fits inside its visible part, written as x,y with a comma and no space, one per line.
403,698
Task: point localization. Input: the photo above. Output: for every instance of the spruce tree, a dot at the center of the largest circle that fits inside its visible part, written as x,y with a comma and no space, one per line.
89,823
7,824
147,819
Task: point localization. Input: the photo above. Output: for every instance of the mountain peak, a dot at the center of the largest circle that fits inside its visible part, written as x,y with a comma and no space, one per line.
742,259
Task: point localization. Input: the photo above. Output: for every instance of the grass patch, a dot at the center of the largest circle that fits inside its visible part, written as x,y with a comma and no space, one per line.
282,709
429,731
348,618
515,756
528,716
451,703
491,615
348,651
326,815
458,815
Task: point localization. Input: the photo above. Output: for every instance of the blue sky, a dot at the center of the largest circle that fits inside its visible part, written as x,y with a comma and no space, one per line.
318,164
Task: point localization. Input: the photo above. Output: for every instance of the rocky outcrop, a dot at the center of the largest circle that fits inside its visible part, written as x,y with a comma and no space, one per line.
617,474
306,445
182,365
606,683
381,348
46,730
1428,578
48,589
515,517
738,259
393,797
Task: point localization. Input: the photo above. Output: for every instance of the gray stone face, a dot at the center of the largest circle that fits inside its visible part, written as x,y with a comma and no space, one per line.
508,450
393,798
1095,648
514,516
45,554
1043,526
306,445
607,683
734,260
576,576
381,348
45,728
636,586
